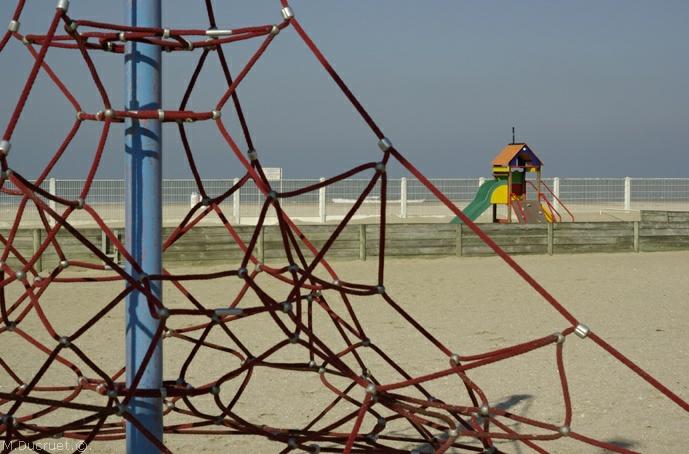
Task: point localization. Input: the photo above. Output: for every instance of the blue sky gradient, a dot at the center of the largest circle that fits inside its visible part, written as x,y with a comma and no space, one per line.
597,88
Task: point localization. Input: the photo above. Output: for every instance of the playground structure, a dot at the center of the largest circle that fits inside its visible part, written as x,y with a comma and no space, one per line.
513,189
128,401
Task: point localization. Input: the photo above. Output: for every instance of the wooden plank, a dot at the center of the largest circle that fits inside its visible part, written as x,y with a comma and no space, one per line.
653,244
654,216
433,227
493,228
24,249
598,226
347,244
660,225
603,230
411,243
511,249
212,239
474,240
577,239
594,240
196,240
418,251
203,229
348,234
665,239
507,236
592,248
411,235
449,238
189,239
200,247
678,216
200,255
669,231
663,229
337,245
335,253
23,242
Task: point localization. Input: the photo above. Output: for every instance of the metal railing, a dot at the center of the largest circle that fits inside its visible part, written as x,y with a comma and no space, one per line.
406,198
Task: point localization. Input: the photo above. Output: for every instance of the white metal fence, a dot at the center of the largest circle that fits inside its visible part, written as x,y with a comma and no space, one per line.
406,198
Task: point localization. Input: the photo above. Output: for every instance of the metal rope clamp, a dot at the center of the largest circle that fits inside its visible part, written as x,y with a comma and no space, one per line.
14,26
5,147
63,5
384,144
287,13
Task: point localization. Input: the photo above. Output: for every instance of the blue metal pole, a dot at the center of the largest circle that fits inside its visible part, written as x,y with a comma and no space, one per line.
143,219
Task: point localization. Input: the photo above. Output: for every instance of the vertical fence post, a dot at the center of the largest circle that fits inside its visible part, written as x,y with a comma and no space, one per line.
52,189
235,203
104,244
556,191
143,224
627,193
362,241
36,234
403,198
481,180
261,244
116,252
321,202
458,242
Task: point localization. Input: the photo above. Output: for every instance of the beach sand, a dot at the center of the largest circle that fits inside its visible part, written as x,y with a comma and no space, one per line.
637,302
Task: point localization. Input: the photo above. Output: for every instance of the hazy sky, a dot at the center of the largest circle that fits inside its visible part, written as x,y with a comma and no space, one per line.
596,87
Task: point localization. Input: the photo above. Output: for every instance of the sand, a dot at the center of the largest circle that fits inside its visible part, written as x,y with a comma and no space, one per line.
638,302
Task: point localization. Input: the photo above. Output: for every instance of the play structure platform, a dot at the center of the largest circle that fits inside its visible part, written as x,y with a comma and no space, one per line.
528,200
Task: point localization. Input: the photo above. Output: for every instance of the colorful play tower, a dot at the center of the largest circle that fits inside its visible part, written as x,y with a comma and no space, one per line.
517,185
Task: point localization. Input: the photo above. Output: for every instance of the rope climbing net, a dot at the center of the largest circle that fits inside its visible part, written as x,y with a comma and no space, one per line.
467,423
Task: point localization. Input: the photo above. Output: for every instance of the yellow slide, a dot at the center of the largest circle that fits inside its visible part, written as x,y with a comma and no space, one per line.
547,214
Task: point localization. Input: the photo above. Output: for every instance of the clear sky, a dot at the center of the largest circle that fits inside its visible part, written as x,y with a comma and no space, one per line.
596,87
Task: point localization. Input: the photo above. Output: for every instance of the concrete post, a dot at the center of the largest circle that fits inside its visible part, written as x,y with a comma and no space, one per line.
556,191
627,193
235,204
52,189
321,203
193,199
403,198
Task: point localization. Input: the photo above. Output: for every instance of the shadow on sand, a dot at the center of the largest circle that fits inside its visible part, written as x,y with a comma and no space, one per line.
505,404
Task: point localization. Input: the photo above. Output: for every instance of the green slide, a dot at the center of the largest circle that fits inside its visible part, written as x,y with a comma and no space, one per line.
481,201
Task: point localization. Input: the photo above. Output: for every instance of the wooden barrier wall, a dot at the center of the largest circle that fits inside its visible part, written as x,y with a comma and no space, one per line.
657,231
664,230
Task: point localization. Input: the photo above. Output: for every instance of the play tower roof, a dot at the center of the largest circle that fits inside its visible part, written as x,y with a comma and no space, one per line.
517,155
